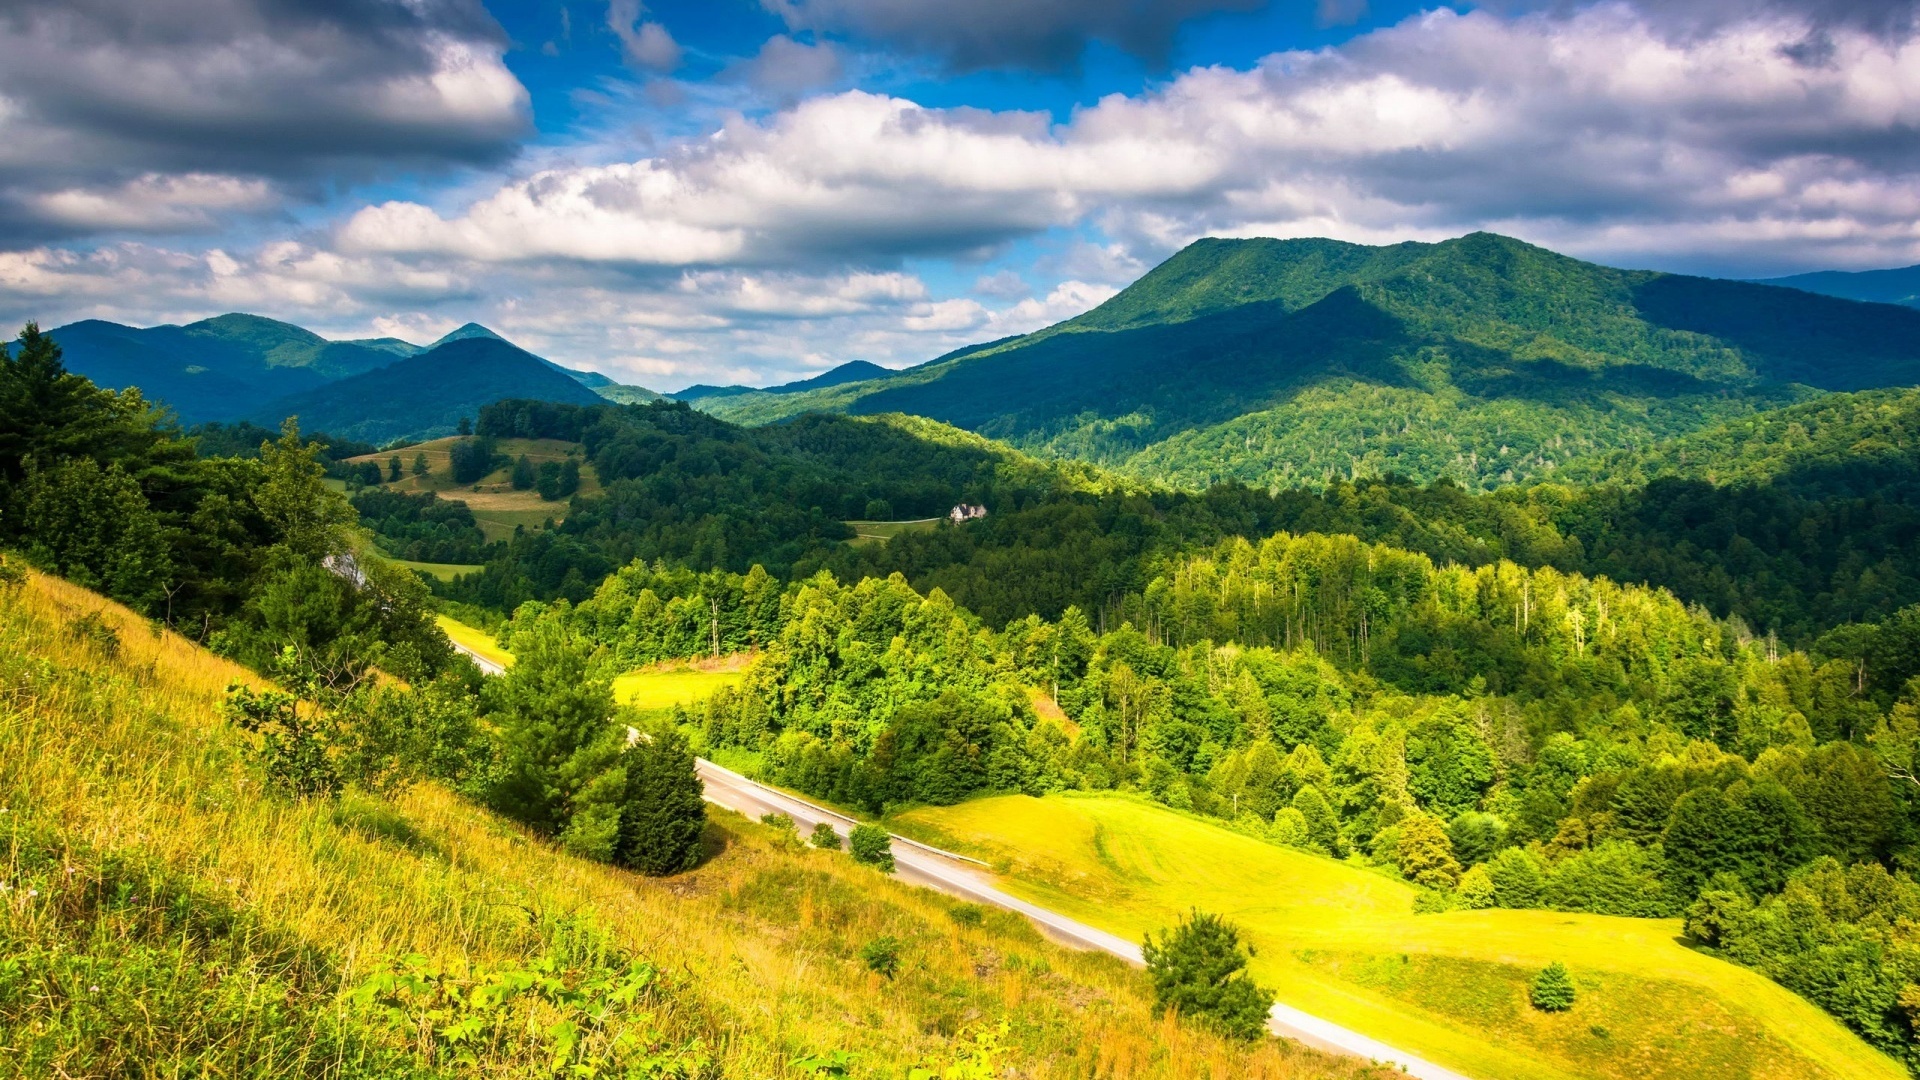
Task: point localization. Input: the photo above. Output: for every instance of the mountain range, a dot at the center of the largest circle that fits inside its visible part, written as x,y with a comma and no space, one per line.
246,367
1900,285
851,371
1483,359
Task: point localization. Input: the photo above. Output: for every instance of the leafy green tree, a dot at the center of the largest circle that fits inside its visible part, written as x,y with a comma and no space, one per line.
1476,836
1198,970
393,468
465,427
420,467
824,837
663,814
523,474
554,715
1552,989
871,845
309,522
1519,878
1425,854
471,460
1323,825
93,526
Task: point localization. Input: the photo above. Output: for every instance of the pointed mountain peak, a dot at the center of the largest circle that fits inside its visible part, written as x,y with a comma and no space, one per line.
470,330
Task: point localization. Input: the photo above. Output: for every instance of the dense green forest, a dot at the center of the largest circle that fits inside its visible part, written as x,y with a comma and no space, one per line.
1502,736
1481,693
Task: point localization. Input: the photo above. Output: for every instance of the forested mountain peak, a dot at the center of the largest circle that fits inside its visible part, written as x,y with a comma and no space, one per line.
462,333
1482,358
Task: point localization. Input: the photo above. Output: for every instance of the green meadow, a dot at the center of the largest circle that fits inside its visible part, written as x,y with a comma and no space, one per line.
1343,942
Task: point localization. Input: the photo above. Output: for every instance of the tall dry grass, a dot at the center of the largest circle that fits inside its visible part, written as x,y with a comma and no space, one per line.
118,751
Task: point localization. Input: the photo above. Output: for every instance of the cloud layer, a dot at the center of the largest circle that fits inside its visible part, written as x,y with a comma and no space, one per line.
160,115
1702,137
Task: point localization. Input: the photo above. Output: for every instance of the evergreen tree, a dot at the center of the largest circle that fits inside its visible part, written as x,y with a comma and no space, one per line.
523,475
554,717
393,468
420,467
1323,825
663,814
1519,878
1552,990
1198,970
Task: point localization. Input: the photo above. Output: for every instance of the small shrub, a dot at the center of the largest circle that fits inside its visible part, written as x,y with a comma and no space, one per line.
1199,971
871,845
882,955
824,837
93,630
293,747
786,835
13,573
968,914
1552,989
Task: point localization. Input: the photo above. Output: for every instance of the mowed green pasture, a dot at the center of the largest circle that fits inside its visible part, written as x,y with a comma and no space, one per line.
444,571
879,532
1342,942
665,689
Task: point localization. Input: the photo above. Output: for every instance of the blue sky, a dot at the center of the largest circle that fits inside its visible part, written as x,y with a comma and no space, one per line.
755,190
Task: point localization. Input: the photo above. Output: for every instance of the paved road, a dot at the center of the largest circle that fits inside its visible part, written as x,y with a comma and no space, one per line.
959,876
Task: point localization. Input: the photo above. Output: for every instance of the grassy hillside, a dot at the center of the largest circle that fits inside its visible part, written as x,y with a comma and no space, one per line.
161,916
1343,942
1482,359
427,395
497,508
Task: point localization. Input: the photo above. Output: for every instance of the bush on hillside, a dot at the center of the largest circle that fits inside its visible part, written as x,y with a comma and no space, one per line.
882,956
1198,970
870,844
824,837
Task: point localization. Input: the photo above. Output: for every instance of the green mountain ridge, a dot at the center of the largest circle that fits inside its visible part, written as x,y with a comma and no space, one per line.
1482,359
426,396
238,366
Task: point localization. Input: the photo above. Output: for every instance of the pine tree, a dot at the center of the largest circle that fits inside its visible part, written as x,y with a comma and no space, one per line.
393,468
523,473
1199,970
661,823
1552,989
420,463
1426,855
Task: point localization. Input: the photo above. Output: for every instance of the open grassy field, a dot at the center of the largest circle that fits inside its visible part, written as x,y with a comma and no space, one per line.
161,915
497,507
666,688
1342,942
879,532
478,640
443,571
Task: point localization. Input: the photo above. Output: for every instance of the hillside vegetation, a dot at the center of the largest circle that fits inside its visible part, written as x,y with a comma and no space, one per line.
163,915
1344,943
1482,359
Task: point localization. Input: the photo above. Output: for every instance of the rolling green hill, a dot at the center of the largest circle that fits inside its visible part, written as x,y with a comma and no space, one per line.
1482,359
426,396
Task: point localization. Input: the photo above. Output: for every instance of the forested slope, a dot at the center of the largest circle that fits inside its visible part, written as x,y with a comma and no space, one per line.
1482,359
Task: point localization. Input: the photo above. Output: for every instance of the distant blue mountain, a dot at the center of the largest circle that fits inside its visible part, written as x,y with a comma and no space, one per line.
1898,286
851,371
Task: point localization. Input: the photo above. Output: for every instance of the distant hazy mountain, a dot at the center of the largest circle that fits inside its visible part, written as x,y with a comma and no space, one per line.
214,369
240,366
851,371
425,396
1481,358
1899,286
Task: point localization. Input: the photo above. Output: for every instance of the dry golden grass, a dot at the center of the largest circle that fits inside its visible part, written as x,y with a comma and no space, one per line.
126,754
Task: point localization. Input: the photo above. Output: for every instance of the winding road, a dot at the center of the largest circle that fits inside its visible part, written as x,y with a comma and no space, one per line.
969,879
